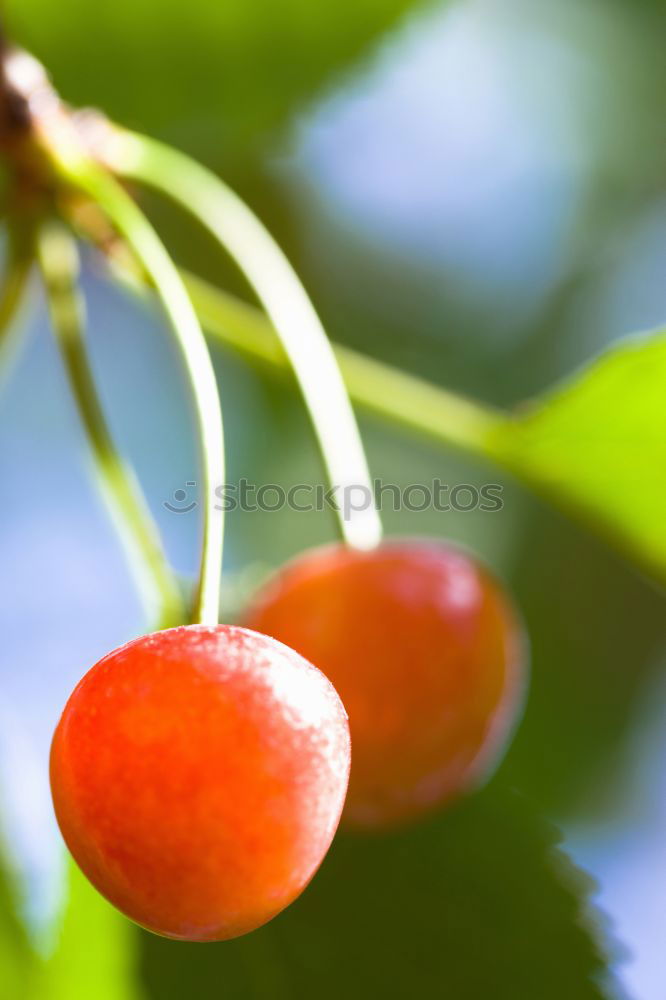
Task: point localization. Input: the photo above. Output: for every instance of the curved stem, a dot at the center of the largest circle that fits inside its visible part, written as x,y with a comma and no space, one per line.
15,278
149,251
280,291
58,258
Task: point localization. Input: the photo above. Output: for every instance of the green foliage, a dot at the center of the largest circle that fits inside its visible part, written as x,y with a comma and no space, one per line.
598,446
94,956
220,77
93,953
17,958
474,903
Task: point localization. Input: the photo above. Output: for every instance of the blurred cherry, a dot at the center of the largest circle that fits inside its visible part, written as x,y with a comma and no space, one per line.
427,654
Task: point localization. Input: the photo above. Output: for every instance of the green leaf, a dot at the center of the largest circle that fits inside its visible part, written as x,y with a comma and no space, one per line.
474,903
93,955
597,445
95,951
596,641
17,958
219,78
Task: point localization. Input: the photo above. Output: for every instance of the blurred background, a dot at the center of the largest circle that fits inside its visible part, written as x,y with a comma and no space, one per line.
471,191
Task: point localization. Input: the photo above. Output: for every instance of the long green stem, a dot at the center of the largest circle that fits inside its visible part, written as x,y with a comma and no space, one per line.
17,271
279,289
149,251
59,263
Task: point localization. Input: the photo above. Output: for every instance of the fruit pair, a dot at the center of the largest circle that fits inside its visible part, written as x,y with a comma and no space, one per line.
199,773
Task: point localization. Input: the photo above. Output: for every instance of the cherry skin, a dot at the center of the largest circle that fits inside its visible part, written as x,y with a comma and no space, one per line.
198,777
427,655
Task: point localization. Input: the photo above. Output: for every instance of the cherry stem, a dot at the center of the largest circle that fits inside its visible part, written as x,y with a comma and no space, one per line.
15,278
59,262
281,293
149,251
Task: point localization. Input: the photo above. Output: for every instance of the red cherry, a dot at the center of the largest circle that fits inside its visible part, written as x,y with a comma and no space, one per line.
427,655
198,777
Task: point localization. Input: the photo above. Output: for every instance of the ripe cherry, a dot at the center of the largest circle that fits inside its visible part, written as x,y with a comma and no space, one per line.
198,777
427,655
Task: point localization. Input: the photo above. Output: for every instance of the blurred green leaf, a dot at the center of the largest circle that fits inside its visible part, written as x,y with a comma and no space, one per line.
17,958
598,446
216,74
597,635
474,903
95,951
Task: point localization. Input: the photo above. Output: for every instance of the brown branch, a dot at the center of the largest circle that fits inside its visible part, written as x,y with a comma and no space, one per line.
21,77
